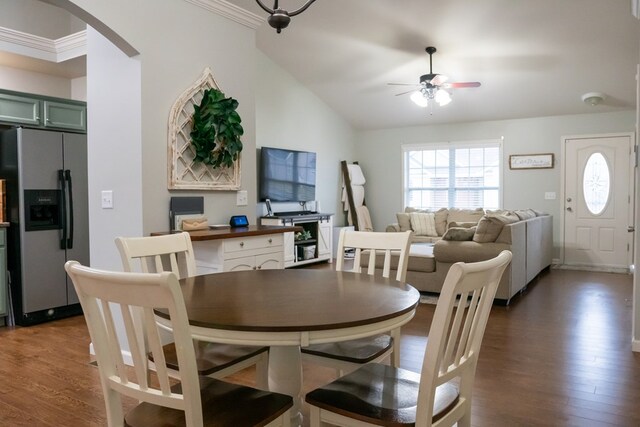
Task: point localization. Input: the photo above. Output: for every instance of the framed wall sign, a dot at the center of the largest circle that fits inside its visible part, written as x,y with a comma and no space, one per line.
531,161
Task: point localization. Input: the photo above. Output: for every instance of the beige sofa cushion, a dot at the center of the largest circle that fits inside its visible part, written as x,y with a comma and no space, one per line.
423,223
441,218
420,259
459,234
464,215
525,213
404,221
490,226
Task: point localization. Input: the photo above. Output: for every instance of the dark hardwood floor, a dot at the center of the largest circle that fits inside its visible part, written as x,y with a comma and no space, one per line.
559,355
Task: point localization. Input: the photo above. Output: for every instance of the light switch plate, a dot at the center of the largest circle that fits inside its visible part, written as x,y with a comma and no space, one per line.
241,198
550,195
107,199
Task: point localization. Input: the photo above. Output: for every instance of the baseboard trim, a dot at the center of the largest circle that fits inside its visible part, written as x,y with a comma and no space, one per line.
635,346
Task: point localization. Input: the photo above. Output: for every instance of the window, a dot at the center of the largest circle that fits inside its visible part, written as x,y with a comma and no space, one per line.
453,175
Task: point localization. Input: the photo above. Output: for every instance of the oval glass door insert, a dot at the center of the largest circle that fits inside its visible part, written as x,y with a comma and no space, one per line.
596,183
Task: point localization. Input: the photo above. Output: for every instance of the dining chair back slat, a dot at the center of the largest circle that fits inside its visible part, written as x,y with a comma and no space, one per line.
456,333
372,244
349,355
440,396
99,293
174,252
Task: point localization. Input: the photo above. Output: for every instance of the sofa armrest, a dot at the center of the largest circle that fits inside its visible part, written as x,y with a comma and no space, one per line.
393,228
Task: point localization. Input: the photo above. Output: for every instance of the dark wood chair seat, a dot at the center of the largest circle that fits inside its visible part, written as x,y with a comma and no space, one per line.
363,350
223,404
381,395
212,357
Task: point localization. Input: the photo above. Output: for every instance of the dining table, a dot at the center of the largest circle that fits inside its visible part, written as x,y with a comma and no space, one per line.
289,309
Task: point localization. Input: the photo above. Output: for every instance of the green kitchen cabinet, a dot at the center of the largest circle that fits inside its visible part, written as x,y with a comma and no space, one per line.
44,112
19,109
63,115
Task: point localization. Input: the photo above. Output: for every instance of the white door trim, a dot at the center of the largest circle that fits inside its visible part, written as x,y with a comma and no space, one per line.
630,213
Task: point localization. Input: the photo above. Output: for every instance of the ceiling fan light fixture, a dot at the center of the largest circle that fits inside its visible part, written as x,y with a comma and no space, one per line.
593,98
442,97
419,99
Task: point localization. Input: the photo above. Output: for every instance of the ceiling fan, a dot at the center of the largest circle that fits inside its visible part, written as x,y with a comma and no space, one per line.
432,86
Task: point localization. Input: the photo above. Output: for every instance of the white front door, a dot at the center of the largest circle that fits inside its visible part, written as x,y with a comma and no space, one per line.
597,201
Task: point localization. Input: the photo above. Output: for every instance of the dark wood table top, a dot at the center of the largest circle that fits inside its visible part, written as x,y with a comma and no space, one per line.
293,300
228,232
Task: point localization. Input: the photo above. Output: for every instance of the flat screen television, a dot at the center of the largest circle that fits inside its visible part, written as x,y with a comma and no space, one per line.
287,175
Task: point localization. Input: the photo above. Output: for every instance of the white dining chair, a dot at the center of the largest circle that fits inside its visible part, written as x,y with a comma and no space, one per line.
194,401
380,395
385,252
174,252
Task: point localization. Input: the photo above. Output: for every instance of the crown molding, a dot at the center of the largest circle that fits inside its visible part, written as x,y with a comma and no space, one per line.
58,50
230,11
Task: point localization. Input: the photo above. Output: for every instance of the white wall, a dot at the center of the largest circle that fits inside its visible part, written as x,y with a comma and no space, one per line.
380,156
290,116
32,82
115,154
79,89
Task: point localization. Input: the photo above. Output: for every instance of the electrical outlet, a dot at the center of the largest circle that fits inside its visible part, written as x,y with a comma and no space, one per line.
550,195
107,199
241,198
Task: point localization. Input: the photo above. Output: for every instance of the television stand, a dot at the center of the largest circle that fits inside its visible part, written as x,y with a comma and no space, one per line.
294,213
316,246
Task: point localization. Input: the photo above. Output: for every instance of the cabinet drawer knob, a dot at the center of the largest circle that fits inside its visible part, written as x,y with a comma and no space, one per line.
241,244
270,240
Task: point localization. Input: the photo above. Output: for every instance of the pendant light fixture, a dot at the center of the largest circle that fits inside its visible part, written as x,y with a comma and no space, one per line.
280,18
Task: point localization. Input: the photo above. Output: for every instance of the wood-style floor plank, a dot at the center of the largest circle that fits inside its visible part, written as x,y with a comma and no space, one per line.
558,355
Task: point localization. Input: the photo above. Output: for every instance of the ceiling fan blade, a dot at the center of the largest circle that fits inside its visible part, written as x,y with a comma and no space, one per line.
404,93
439,80
458,85
403,84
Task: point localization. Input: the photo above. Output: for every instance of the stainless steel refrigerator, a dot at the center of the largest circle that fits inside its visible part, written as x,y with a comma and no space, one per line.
47,207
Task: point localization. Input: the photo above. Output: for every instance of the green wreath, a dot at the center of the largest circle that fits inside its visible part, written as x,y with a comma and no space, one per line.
216,130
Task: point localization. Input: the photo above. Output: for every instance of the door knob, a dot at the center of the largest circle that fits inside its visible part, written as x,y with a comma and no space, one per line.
568,199
569,209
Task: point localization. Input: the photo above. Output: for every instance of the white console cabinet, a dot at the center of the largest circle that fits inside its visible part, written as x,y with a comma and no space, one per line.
241,253
314,249
243,248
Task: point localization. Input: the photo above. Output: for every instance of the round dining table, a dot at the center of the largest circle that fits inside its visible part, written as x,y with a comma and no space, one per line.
290,309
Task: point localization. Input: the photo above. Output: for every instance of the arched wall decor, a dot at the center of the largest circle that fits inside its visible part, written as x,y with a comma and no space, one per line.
184,173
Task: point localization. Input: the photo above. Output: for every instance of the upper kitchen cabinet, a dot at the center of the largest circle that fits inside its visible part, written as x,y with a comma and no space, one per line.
64,115
19,109
42,111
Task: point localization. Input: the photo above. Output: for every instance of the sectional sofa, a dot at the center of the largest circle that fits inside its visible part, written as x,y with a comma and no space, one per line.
477,235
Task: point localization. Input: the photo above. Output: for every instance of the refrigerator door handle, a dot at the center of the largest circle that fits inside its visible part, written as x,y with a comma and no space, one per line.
63,209
67,175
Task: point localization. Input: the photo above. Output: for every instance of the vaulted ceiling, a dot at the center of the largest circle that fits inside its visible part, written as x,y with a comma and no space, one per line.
533,58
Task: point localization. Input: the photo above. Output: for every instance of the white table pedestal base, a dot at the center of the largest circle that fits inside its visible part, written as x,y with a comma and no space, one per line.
285,376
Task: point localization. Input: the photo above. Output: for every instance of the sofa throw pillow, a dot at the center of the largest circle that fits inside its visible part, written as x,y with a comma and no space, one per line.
464,215
423,224
525,214
441,220
462,224
404,221
490,227
459,234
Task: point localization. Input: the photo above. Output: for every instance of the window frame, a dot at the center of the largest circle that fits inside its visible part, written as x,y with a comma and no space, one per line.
452,145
